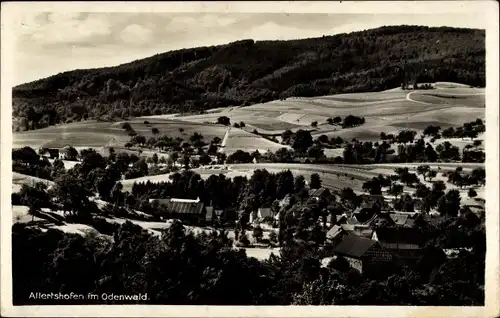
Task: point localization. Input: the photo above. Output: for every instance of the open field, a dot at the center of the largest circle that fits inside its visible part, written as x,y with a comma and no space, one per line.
99,134
18,179
237,139
449,104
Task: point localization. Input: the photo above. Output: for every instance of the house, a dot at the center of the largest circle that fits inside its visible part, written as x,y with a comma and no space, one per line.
404,242
321,193
261,214
51,153
187,210
379,220
365,255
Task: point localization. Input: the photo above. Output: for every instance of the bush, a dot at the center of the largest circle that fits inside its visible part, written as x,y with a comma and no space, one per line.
472,193
244,241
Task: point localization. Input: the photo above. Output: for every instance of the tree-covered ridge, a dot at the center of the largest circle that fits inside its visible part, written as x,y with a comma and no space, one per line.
246,72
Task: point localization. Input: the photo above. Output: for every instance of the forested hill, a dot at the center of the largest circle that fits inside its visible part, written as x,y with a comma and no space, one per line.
246,72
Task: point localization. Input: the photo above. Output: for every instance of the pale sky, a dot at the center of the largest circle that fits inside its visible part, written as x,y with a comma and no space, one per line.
53,42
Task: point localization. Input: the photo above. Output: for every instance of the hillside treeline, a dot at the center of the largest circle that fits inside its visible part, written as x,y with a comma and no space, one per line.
247,72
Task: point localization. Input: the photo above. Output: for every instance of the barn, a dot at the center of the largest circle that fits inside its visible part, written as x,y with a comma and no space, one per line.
186,210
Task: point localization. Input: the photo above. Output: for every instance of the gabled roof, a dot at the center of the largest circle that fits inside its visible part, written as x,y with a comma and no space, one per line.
354,246
401,235
318,192
182,206
334,232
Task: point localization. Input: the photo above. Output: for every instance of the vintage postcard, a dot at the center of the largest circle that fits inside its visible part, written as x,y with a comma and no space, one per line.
250,159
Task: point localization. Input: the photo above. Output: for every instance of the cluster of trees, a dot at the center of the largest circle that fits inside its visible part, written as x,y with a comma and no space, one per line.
352,121
404,136
247,72
239,125
334,120
300,141
447,203
468,130
357,152
458,177
349,121
224,120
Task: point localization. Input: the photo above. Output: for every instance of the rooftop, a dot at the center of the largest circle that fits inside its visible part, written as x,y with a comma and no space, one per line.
354,246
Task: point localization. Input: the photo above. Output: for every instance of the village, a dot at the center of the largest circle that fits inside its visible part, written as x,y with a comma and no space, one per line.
366,230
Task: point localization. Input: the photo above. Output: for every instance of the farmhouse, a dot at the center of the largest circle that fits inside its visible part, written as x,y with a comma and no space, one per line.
187,210
404,242
337,232
365,255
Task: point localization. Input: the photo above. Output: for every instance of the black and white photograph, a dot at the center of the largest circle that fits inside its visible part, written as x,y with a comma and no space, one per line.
225,154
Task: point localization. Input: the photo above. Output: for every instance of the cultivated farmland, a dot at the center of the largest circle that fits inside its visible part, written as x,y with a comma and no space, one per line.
389,111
